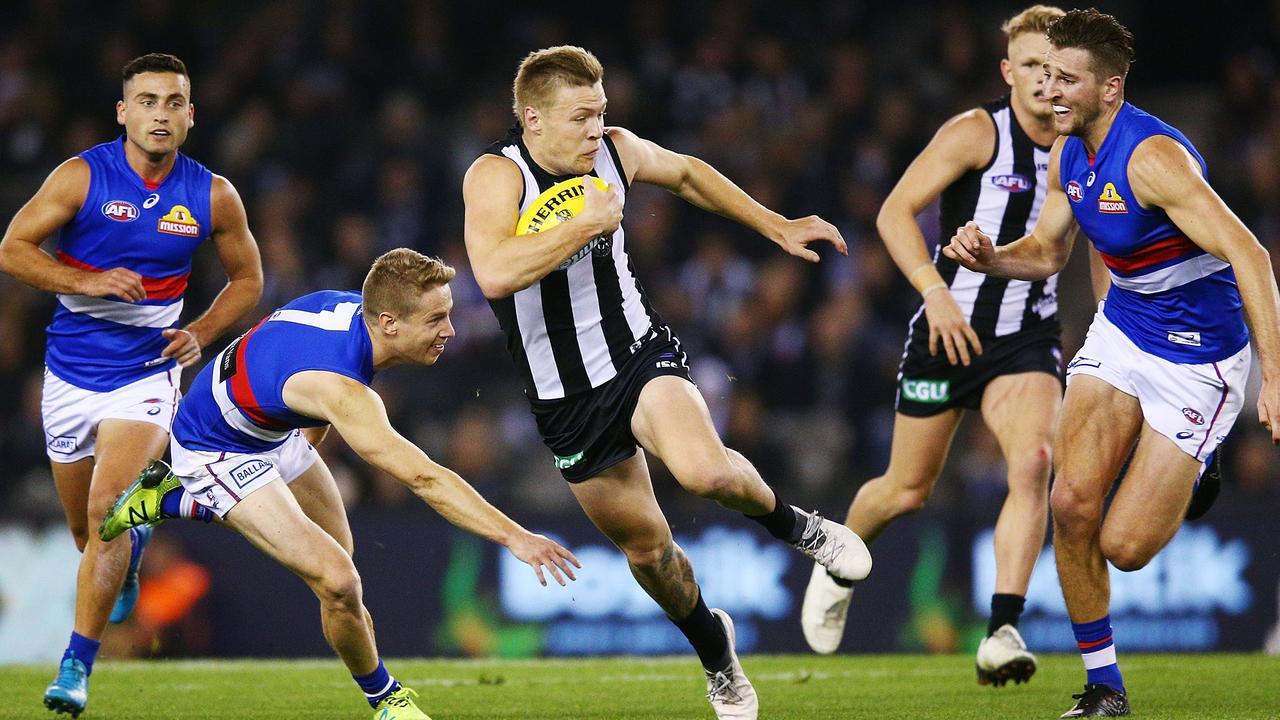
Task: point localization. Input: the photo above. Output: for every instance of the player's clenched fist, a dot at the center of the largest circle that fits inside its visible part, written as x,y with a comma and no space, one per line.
604,208
971,248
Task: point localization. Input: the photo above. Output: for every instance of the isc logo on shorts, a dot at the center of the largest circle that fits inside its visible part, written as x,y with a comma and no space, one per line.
926,391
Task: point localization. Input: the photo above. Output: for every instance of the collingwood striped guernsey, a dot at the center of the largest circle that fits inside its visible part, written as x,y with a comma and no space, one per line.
1004,198
572,330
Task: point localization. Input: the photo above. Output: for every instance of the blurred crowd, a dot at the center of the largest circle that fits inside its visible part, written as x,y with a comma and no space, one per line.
346,127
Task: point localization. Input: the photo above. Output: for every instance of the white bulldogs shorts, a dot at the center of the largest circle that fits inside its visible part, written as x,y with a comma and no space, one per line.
219,480
1194,405
71,413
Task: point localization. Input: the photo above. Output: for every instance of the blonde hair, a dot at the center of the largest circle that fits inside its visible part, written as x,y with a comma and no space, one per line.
398,279
543,70
1035,19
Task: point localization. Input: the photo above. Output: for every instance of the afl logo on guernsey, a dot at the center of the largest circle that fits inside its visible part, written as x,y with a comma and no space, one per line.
120,211
1074,191
1110,201
179,221
1012,182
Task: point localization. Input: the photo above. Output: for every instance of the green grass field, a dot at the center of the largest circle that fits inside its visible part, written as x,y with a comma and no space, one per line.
790,687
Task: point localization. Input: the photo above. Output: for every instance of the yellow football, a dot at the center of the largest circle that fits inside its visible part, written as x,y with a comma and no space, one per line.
557,204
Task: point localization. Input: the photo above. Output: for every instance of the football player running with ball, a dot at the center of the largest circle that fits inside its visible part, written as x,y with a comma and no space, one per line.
602,372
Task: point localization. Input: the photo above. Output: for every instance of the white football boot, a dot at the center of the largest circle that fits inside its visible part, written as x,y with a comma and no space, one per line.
730,693
834,546
1003,657
824,611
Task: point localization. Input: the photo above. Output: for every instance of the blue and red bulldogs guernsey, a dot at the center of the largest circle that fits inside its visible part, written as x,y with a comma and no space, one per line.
1168,296
235,404
102,344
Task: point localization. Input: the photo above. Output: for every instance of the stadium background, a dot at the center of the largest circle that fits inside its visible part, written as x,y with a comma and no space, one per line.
347,126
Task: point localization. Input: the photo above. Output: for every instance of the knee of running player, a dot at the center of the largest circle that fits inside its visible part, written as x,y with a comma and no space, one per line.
1127,551
338,586
79,531
896,494
99,506
649,552
1029,468
1074,509
710,475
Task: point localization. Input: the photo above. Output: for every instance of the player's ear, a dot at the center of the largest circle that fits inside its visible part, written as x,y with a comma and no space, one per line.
120,112
532,119
1113,88
387,322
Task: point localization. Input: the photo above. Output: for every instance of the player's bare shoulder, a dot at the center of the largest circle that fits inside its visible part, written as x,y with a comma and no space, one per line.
226,205
1159,159
492,181
68,184
632,149
491,173
621,136
968,138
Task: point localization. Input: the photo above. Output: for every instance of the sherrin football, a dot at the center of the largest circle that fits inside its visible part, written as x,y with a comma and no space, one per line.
558,203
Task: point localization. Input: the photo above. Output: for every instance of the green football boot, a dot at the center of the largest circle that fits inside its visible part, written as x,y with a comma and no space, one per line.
399,705
139,504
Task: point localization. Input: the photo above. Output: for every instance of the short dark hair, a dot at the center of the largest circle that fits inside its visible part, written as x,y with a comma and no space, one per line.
154,62
1109,43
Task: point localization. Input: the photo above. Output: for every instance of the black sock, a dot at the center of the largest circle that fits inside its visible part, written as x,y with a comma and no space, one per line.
707,636
1005,610
781,522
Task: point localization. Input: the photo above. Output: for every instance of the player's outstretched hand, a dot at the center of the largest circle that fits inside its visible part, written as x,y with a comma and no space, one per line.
120,282
798,233
971,248
601,207
183,346
947,324
1269,408
540,551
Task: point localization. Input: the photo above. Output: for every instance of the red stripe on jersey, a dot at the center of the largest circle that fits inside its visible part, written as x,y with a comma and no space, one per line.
1095,643
165,288
1157,252
242,392
168,288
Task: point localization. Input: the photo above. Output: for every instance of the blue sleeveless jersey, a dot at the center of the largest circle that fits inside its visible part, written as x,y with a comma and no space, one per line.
235,403
102,344
1168,296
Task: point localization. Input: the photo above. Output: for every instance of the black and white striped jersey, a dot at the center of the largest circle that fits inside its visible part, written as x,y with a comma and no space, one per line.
572,330
1004,198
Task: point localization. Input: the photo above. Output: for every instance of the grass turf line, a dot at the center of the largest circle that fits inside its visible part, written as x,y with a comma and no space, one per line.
794,687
